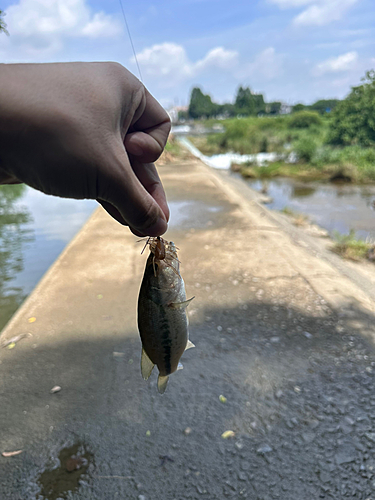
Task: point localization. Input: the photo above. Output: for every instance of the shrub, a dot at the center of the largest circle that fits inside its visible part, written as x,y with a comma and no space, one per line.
305,149
304,119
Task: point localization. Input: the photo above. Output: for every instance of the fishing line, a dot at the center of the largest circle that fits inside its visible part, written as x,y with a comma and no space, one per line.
131,41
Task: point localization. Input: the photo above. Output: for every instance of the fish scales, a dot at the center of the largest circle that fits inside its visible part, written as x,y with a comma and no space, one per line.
162,318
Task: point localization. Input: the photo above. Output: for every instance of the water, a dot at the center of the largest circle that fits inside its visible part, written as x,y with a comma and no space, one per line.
340,208
225,160
336,208
34,229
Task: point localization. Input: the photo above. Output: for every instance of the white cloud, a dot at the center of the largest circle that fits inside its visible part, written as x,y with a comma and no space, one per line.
40,27
169,63
267,65
318,12
345,62
322,13
218,58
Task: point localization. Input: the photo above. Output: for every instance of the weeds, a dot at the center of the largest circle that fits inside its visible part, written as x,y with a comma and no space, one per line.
351,247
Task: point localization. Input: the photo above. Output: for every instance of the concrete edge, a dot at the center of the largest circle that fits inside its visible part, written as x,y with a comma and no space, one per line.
350,288
47,276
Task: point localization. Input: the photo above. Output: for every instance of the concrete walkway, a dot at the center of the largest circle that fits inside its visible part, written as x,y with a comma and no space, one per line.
279,331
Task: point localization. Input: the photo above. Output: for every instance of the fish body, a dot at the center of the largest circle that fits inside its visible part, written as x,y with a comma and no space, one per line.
162,318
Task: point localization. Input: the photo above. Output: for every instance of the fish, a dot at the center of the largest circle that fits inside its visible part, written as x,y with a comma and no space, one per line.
162,317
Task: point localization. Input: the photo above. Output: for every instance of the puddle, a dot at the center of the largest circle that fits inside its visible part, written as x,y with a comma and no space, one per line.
73,463
192,214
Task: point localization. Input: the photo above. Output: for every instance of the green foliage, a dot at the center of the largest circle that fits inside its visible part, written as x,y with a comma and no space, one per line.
305,148
324,105
304,119
349,247
201,105
247,103
298,107
273,108
3,26
354,118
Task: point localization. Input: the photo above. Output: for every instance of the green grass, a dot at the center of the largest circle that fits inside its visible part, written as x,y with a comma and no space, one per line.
317,159
350,247
298,218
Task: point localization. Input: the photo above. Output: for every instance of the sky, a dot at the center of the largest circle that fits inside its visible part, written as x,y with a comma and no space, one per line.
289,50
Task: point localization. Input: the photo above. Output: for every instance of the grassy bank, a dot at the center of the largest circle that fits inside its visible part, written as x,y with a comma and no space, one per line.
306,134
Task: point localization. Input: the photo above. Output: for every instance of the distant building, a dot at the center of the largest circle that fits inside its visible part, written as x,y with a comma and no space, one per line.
285,109
173,112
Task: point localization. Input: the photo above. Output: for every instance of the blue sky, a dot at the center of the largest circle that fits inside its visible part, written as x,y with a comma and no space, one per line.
290,50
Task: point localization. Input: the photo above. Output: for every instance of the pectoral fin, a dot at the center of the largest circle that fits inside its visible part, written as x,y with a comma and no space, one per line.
162,383
189,345
180,305
146,365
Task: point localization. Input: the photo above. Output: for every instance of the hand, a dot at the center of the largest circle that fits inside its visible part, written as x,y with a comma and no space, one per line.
85,130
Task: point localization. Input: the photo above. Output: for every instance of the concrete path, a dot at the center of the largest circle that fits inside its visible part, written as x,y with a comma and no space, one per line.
282,334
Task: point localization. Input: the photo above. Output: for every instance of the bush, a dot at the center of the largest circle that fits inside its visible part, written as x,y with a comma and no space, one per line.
304,119
353,120
305,149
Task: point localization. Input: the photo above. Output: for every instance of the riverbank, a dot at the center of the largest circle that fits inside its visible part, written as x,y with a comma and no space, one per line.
302,139
281,332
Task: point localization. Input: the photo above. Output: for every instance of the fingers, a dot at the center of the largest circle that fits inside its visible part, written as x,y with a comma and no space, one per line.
149,178
124,196
149,133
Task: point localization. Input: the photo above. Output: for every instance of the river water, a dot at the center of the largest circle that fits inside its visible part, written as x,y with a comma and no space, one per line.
337,208
34,229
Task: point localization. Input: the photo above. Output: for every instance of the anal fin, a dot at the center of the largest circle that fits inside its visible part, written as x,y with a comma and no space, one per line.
189,345
146,365
162,383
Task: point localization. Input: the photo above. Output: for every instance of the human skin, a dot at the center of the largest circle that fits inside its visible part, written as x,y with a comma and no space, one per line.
85,130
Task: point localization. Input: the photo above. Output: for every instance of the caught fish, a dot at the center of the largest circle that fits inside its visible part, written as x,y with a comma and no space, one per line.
162,318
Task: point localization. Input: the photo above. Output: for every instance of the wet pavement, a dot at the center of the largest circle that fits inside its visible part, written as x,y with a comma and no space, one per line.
279,332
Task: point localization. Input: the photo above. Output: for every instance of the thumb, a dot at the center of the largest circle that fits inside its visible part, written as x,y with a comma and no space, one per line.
125,198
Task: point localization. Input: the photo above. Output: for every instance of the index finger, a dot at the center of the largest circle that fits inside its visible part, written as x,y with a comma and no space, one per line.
154,121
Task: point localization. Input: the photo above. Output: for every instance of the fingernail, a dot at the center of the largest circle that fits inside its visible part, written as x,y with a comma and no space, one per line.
157,228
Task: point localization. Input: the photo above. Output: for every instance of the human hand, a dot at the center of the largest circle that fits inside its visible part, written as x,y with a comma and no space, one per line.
85,130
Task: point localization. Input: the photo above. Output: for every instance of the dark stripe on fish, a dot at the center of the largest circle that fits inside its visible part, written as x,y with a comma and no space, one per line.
165,339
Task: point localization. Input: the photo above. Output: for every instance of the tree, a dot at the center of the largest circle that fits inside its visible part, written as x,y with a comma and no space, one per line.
245,102
3,26
354,117
273,108
324,105
201,105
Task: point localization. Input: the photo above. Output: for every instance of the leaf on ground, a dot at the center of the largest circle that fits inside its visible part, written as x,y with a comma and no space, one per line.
148,433
7,454
222,399
99,296
227,434
32,319
10,343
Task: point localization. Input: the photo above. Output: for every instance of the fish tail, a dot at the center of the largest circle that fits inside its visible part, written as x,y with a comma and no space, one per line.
162,383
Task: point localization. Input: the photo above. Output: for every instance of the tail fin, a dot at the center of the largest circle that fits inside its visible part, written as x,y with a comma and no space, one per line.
162,383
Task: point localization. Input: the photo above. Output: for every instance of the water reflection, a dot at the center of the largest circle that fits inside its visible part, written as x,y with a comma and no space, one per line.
14,233
302,191
339,208
34,229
